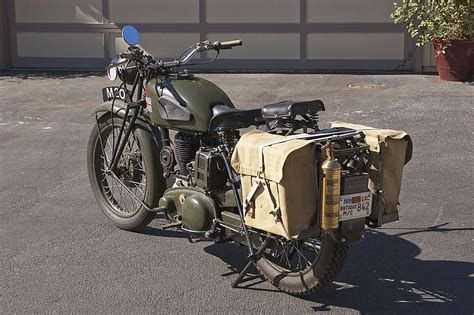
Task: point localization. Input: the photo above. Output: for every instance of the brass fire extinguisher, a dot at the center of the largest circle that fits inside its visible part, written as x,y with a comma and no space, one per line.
331,191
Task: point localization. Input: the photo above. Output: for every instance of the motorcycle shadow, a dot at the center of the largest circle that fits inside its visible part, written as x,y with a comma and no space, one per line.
383,274
153,231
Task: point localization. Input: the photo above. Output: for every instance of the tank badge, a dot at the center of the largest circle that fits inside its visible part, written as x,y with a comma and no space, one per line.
181,198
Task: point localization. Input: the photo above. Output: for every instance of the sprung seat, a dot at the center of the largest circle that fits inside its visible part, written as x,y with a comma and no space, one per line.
226,118
290,109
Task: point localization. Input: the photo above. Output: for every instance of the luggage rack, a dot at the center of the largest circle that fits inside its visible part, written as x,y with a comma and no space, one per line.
324,135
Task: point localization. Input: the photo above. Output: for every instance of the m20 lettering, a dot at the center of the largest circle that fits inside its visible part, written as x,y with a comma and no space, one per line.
113,92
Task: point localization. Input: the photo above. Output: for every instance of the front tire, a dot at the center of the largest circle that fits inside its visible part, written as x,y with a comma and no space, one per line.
302,275
142,174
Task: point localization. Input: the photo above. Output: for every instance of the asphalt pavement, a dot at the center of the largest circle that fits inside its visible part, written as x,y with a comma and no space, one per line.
58,252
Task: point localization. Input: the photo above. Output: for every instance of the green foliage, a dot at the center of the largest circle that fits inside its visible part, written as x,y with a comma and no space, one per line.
427,20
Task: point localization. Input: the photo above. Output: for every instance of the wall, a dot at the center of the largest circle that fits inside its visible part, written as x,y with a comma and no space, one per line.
296,35
4,52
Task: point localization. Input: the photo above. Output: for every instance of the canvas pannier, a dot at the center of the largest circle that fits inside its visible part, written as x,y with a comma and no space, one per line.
390,150
279,182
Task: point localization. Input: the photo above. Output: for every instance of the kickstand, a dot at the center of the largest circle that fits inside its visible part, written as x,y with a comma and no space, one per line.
252,262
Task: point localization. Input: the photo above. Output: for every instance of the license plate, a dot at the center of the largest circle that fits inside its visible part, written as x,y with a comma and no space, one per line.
113,92
355,206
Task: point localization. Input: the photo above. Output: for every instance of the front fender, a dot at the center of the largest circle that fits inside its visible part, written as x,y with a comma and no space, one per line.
118,109
106,106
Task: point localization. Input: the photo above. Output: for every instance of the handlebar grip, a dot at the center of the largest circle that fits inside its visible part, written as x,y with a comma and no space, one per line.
169,64
231,43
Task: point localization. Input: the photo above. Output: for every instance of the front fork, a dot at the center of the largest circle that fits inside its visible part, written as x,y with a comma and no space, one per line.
120,144
128,122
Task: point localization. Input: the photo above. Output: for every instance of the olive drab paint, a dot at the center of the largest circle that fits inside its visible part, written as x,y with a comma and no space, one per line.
331,191
196,95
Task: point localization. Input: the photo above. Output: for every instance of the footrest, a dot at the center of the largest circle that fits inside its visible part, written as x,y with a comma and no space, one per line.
158,209
172,225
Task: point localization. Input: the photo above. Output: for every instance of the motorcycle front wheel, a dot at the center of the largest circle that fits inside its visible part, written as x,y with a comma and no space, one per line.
303,266
139,178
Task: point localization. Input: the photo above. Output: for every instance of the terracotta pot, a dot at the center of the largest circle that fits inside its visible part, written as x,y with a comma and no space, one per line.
457,64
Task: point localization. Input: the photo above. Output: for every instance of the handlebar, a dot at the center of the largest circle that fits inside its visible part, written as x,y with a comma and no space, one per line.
136,54
199,47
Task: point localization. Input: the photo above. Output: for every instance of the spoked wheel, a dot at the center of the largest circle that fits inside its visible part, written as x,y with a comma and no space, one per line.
138,178
303,266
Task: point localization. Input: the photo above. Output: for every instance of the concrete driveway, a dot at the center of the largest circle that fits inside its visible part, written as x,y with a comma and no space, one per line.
58,252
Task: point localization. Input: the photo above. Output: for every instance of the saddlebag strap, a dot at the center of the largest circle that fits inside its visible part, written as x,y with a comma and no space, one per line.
251,194
260,151
276,212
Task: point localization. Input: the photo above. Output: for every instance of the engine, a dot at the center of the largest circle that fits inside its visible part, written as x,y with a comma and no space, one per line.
186,146
210,172
201,179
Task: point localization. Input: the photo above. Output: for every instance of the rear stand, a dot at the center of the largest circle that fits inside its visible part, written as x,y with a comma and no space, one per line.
252,257
252,262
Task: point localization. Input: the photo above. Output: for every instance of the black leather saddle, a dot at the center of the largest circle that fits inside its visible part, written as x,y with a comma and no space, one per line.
225,117
290,109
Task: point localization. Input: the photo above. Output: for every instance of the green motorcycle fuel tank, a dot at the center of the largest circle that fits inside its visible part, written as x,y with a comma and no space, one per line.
184,103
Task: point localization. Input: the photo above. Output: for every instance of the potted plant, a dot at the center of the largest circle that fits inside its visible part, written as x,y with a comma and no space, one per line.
448,24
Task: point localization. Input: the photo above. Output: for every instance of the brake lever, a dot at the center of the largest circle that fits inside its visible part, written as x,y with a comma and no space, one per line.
113,65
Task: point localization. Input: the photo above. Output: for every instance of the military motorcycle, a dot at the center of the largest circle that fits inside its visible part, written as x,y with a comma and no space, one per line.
162,145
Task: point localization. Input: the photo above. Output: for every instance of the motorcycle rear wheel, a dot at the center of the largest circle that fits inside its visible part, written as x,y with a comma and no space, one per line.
141,175
302,267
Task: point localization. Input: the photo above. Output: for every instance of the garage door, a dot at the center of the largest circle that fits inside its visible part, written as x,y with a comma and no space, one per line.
300,35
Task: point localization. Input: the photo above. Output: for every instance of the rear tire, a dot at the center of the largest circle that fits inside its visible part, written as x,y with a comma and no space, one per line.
322,272
152,183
